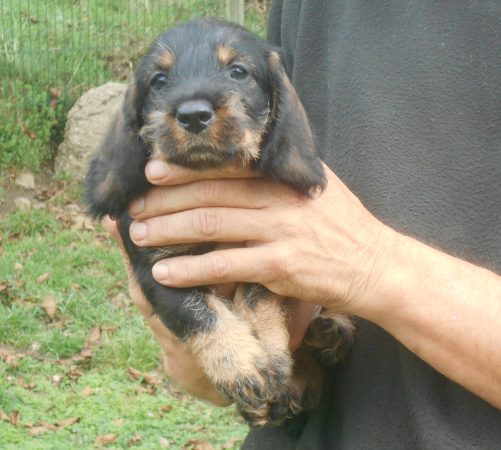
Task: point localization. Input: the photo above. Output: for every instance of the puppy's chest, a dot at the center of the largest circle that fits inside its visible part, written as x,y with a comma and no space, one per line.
158,253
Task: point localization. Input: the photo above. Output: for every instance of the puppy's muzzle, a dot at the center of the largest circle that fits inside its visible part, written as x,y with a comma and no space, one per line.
195,115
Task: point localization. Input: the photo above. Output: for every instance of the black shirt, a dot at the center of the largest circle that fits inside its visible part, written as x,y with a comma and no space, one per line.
404,97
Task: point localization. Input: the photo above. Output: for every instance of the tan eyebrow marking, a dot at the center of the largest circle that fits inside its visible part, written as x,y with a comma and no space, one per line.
166,59
226,54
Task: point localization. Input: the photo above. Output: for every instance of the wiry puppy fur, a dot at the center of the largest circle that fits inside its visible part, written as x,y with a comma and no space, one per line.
207,93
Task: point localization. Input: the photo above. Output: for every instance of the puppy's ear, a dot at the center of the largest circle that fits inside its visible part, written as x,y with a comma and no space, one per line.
288,153
116,173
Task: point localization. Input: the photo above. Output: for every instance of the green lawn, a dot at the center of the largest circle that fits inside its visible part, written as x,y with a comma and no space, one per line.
73,348
78,367
51,51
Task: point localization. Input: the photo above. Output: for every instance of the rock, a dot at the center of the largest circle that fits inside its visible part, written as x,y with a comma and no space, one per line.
22,203
86,125
25,180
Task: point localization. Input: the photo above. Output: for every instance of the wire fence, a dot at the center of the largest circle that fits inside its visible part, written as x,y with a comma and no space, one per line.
53,50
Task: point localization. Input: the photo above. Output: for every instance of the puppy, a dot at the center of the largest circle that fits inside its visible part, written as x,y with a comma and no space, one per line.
207,93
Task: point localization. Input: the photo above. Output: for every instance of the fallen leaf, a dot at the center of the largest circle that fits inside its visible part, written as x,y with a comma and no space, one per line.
145,390
164,443
86,391
135,440
73,374
31,134
24,385
37,431
197,444
18,266
43,277
48,425
10,357
152,378
94,336
14,417
134,374
49,305
67,422
106,439
56,379
231,443
163,409
118,422
4,416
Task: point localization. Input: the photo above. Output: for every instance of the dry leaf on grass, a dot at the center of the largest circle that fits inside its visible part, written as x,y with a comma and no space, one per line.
164,443
87,391
67,422
37,431
43,277
136,439
14,417
106,439
4,416
134,374
10,357
85,355
44,427
231,443
198,444
163,409
49,305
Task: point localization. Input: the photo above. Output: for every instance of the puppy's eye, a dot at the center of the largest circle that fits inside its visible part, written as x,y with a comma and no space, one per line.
238,72
159,80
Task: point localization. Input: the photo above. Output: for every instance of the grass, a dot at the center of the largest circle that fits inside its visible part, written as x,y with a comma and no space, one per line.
72,348
45,374
51,51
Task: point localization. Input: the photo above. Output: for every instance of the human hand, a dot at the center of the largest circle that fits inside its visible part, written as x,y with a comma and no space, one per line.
153,207
322,249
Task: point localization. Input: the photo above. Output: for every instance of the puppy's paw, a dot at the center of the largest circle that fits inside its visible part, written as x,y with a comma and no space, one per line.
275,407
331,335
238,365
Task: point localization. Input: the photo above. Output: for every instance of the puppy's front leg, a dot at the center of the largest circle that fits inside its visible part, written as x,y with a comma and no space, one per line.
223,344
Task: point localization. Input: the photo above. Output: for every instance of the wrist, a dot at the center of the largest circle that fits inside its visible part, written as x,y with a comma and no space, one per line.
388,276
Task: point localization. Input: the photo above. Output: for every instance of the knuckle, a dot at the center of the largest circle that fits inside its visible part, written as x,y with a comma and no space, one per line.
279,262
209,190
205,222
286,226
217,267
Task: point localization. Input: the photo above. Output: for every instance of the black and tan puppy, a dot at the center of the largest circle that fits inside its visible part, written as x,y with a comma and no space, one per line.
208,93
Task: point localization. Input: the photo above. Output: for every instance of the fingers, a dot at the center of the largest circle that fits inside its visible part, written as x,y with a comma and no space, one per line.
239,193
159,172
201,225
217,267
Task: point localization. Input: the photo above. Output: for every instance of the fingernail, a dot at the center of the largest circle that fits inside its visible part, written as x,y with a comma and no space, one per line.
157,170
138,231
137,206
160,271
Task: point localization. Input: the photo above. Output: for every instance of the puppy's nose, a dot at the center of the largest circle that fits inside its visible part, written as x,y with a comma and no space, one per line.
194,115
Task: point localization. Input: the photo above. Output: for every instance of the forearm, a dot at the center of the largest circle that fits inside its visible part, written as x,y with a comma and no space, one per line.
446,311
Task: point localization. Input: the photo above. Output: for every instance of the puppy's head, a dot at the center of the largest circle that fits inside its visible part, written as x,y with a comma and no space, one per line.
208,92
208,95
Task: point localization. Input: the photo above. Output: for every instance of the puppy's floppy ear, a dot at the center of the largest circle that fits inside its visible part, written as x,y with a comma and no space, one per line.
288,153
116,173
